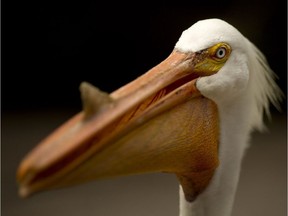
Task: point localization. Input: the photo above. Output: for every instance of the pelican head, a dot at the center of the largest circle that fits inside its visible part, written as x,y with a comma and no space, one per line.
191,115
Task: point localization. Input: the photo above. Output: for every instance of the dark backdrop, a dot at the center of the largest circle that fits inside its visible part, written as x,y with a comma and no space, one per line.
49,48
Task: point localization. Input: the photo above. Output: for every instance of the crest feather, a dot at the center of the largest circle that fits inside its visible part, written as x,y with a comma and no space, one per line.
264,87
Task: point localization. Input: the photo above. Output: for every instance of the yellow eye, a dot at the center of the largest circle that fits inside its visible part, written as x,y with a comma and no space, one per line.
211,60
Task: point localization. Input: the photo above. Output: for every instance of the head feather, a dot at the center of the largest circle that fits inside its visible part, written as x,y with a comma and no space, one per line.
263,87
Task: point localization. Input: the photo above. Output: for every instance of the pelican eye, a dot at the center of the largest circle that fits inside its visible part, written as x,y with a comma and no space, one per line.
210,60
221,52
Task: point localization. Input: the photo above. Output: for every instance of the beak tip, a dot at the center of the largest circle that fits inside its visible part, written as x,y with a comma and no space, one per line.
24,177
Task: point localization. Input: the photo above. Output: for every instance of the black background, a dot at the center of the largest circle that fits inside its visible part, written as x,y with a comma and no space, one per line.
49,48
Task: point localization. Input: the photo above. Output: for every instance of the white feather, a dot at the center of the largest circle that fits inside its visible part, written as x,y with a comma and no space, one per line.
262,86
242,90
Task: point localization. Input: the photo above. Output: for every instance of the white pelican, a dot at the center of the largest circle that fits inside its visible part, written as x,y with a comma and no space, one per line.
191,115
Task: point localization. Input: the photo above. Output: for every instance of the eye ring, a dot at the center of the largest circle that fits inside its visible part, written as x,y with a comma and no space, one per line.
221,52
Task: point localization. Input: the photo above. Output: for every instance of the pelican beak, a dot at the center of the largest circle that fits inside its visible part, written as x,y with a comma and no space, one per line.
159,122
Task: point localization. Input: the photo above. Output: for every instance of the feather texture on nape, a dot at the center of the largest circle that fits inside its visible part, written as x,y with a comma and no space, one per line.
264,88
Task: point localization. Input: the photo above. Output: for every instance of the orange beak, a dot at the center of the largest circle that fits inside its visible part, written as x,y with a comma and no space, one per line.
159,122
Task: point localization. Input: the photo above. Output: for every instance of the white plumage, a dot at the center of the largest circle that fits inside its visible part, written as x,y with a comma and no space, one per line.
242,89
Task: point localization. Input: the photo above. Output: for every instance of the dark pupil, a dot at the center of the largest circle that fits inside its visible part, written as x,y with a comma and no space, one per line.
221,52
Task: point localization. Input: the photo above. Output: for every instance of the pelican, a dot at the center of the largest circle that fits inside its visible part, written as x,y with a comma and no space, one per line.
191,115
